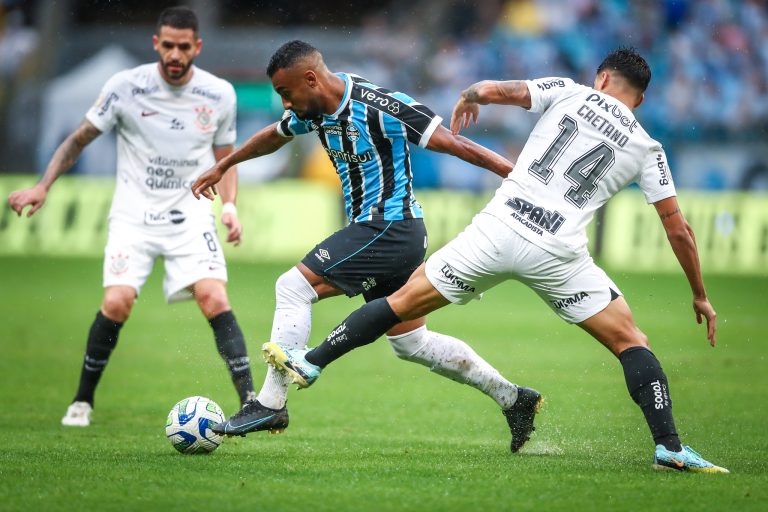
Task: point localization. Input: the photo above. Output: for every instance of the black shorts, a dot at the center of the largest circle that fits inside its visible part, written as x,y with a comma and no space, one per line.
374,258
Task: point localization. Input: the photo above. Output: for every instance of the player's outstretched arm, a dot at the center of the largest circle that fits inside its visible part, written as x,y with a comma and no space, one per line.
443,141
265,141
511,92
680,236
62,160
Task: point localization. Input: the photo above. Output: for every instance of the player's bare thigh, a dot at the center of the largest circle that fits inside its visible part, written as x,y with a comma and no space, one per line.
322,288
118,302
615,327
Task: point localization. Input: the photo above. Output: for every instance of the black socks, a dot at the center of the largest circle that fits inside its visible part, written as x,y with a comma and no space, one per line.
102,339
231,346
362,326
648,387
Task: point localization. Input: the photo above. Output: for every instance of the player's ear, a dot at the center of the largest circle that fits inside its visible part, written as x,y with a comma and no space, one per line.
156,42
639,100
198,46
311,78
601,80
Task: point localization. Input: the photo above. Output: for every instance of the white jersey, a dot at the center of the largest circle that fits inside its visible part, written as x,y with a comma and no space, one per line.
165,139
584,149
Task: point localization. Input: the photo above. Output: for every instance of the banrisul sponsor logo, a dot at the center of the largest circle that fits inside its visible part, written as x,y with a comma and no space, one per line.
450,275
570,301
535,217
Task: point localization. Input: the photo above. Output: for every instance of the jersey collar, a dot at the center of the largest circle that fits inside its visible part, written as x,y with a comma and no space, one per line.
345,98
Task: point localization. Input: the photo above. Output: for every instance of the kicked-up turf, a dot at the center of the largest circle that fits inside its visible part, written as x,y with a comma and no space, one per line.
377,433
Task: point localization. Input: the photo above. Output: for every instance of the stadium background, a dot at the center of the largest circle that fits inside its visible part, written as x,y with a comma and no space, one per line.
707,103
416,442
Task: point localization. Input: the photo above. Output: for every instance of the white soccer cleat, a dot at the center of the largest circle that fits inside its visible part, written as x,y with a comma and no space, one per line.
78,415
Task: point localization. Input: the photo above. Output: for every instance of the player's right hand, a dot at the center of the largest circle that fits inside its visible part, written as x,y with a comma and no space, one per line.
205,184
703,307
34,197
463,112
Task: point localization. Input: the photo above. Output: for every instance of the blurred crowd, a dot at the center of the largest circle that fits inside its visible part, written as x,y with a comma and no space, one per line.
709,57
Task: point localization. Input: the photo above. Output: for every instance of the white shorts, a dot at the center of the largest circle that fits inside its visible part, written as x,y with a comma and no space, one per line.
489,252
189,256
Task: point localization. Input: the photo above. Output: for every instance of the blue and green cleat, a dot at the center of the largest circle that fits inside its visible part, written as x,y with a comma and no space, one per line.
686,459
291,361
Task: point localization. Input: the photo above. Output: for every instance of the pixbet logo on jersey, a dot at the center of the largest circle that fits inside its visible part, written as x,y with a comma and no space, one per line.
614,110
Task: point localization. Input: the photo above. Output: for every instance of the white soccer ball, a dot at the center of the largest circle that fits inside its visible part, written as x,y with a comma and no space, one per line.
189,423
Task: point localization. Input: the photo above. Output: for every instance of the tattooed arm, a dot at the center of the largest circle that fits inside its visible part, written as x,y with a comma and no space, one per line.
512,92
680,236
63,159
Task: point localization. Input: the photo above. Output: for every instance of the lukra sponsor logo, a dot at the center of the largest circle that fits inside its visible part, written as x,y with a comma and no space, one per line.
455,280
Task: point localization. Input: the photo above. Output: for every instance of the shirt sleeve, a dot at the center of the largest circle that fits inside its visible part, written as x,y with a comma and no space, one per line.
545,91
105,113
290,125
655,180
418,120
226,131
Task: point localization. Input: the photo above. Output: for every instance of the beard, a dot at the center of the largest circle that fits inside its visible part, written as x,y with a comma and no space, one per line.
176,74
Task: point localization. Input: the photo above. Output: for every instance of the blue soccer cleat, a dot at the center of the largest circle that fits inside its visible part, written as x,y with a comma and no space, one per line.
685,460
291,361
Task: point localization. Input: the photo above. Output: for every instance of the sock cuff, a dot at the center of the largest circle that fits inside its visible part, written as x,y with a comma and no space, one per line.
409,333
104,321
628,353
293,281
222,319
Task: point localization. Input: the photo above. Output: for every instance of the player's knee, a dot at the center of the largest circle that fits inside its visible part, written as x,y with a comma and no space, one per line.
292,287
408,344
212,300
117,305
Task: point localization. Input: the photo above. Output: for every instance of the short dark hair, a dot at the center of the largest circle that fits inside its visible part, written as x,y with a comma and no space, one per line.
630,64
288,55
178,17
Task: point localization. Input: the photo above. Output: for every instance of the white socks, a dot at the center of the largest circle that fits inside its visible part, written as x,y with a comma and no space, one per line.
452,358
291,326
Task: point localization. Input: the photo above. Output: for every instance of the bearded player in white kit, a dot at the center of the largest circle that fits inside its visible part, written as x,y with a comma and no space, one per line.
586,146
173,121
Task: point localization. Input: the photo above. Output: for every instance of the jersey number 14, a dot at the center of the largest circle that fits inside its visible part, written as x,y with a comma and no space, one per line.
585,172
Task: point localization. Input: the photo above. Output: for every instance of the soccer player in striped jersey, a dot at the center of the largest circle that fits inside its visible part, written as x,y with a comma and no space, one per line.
365,130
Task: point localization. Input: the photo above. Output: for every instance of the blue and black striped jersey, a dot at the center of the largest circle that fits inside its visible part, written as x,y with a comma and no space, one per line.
367,141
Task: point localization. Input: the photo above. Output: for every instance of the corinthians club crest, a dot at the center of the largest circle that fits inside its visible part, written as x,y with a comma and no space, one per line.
204,119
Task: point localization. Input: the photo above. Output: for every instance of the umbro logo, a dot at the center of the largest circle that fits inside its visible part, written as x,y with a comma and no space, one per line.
144,113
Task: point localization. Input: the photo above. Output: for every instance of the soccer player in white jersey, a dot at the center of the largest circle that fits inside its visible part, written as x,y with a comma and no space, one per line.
173,121
586,146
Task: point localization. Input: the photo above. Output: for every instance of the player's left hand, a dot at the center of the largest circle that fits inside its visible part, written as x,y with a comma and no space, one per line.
234,228
703,307
204,185
463,112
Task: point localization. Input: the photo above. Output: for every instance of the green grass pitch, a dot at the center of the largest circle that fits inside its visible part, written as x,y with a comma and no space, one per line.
376,433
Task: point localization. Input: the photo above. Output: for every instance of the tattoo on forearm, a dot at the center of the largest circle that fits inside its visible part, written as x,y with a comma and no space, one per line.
666,215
